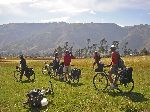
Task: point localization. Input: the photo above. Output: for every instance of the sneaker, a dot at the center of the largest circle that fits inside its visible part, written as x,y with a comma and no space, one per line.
112,86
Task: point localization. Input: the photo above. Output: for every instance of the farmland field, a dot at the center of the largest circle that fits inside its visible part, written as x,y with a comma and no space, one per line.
76,98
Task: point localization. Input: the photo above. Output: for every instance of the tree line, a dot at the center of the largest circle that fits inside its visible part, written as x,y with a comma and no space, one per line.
102,47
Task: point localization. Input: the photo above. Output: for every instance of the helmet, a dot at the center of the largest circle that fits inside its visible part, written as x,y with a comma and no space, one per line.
113,47
21,56
95,52
56,53
66,51
44,102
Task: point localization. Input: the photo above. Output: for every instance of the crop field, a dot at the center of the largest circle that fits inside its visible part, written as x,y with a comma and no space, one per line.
80,97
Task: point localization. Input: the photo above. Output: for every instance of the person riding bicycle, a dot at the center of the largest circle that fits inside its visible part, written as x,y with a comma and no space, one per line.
67,67
96,58
114,62
23,67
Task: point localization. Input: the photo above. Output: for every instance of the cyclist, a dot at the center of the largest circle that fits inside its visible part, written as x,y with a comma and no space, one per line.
56,62
23,67
67,67
114,65
96,58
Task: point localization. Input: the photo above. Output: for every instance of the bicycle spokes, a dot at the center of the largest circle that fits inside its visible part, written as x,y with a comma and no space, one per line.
126,87
100,81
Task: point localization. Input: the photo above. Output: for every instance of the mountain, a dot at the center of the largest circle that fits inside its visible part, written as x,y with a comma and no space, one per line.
45,37
138,37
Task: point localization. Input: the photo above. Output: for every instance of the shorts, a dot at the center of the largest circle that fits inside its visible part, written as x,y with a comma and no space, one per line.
114,69
67,69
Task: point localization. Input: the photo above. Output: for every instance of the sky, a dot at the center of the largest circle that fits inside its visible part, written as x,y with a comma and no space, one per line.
121,12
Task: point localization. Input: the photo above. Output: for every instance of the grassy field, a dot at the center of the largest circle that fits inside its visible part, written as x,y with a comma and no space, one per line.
77,98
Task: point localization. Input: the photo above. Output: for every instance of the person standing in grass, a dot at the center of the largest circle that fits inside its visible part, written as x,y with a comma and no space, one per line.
56,62
23,66
96,58
67,67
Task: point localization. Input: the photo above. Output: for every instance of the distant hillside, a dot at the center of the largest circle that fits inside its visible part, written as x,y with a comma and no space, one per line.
138,37
45,37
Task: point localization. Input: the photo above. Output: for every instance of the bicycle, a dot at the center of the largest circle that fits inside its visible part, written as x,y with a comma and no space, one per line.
36,98
29,72
123,84
48,69
73,76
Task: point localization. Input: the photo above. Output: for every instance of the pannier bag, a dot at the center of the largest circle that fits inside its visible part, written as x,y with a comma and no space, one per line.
75,73
126,75
100,67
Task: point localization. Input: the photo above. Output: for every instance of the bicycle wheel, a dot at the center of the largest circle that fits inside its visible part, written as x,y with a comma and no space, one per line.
44,70
100,81
127,87
17,75
76,79
32,77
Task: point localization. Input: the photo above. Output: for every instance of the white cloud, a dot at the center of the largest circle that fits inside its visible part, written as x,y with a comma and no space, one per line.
69,11
97,5
66,9
14,1
92,12
60,19
12,10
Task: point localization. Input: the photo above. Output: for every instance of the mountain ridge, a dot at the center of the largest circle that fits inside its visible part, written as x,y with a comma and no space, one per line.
45,37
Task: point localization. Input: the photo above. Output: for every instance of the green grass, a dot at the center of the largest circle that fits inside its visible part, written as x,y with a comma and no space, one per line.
73,98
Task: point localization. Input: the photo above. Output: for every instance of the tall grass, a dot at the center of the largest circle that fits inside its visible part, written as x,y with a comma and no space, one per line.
77,98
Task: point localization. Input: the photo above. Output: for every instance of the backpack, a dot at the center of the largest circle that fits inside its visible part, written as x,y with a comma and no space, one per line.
60,70
35,98
100,67
75,73
120,62
55,64
126,75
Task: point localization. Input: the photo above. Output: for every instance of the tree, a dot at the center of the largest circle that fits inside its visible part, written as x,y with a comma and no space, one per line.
88,47
103,48
144,51
124,48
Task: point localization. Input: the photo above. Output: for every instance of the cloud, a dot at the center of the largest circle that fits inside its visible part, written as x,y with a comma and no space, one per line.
60,19
12,10
5,2
73,7
69,11
92,12
97,5
37,9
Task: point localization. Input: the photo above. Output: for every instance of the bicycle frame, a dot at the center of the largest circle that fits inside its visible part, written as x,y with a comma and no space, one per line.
101,79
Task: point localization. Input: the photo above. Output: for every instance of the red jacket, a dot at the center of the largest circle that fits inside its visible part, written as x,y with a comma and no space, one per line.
115,57
67,59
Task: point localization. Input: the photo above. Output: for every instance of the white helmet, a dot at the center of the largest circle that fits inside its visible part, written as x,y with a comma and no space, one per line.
113,47
44,102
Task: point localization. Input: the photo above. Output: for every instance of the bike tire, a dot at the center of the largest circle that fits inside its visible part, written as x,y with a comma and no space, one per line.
44,71
32,77
126,88
76,80
100,81
17,75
